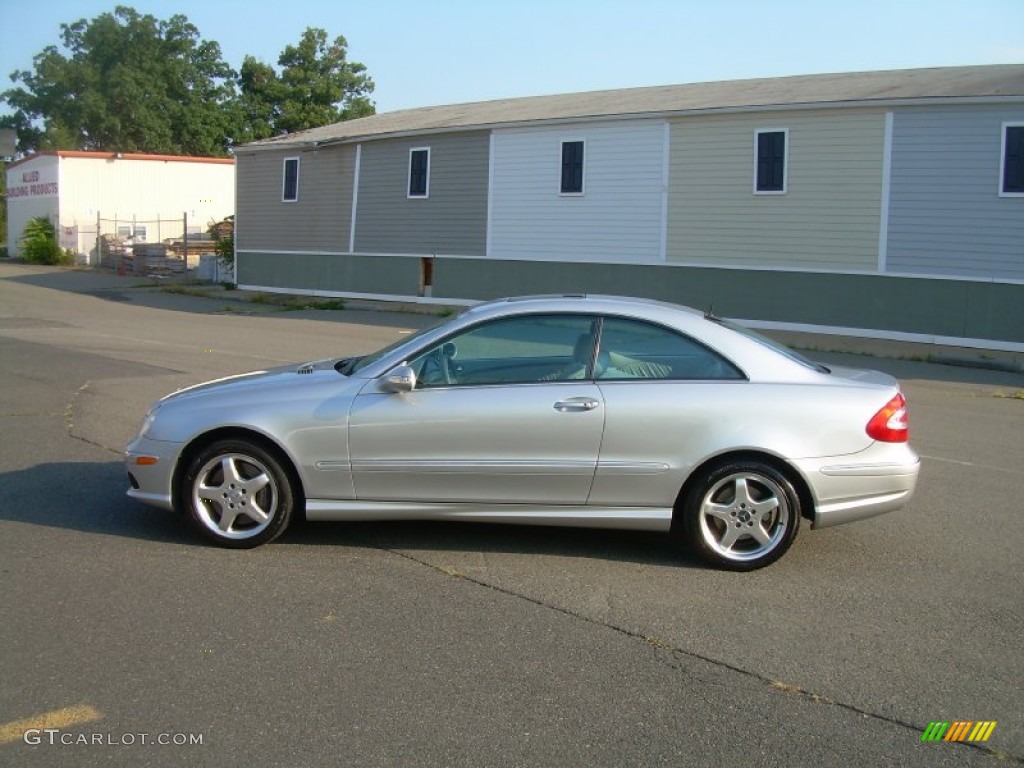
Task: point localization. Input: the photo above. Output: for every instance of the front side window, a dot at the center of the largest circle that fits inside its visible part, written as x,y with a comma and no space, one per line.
530,349
770,161
419,172
572,168
290,183
1012,166
632,349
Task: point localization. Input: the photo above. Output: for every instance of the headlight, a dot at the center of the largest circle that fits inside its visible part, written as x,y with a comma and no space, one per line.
147,423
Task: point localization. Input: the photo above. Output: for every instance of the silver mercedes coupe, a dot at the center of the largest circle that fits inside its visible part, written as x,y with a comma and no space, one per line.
592,411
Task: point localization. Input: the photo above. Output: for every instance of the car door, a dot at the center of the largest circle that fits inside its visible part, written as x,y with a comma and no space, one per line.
664,395
503,412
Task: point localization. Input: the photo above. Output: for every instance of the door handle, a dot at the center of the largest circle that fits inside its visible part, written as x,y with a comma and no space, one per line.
574,404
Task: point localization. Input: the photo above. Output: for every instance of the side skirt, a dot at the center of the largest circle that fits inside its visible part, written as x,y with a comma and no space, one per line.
623,518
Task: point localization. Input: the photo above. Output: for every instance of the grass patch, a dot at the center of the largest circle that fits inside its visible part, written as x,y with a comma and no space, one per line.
286,303
1018,395
186,290
295,304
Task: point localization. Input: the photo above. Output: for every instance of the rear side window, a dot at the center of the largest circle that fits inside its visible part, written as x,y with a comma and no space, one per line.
632,349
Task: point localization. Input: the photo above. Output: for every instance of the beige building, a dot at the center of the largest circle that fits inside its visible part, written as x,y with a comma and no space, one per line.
137,197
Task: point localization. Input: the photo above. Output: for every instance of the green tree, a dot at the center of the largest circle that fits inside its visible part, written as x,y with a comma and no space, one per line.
317,85
126,82
223,234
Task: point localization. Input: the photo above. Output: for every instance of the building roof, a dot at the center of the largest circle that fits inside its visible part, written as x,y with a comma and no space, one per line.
123,156
987,83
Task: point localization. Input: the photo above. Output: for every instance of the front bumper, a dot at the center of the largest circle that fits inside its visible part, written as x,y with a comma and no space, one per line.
882,480
151,482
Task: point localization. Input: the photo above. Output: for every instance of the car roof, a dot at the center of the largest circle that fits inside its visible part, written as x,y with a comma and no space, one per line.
586,302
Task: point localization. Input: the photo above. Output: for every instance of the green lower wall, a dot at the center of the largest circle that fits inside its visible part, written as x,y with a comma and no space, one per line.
328,273
954,308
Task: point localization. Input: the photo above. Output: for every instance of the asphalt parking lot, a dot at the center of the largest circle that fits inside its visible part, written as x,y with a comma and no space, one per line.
415,644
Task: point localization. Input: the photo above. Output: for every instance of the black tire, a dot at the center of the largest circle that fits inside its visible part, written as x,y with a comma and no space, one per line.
238,494
741,515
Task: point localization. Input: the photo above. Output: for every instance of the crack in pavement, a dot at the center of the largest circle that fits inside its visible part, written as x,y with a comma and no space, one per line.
69,422
678,654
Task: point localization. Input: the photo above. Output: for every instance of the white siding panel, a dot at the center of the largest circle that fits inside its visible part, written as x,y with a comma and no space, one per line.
619,216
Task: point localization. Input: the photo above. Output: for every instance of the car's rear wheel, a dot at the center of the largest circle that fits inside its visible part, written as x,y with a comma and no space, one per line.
741,515
238,494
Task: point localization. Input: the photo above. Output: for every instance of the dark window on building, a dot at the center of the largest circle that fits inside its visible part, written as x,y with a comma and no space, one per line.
572,168
419,172
1013,160
771,161
290,187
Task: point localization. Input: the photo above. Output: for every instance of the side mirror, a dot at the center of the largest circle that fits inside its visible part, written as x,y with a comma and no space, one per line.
400,379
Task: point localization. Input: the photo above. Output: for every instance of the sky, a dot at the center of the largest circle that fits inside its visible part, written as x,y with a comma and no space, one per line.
432,52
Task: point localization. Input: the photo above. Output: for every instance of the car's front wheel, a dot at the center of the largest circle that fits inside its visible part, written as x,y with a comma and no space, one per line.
741,515
238,494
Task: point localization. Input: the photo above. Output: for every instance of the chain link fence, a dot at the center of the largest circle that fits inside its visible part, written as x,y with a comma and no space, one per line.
160,246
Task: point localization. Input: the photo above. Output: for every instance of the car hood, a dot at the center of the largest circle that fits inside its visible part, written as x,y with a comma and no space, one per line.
243,384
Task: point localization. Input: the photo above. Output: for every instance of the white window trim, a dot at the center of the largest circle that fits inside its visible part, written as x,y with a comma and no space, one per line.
785,162
883,223
408,179
1002,156
284,179
355,199
583,185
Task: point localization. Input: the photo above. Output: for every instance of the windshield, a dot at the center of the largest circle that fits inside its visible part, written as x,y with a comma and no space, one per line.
782,349
355,364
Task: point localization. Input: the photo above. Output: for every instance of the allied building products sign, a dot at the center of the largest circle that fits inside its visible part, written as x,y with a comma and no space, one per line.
31,186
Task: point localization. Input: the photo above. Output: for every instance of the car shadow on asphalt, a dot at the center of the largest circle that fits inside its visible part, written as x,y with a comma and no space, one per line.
87,497
90,497
430,537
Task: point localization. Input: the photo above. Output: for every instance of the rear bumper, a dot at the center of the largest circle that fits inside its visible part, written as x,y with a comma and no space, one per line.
846,490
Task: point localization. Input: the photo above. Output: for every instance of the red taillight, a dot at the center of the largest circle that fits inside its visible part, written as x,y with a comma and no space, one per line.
890,425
